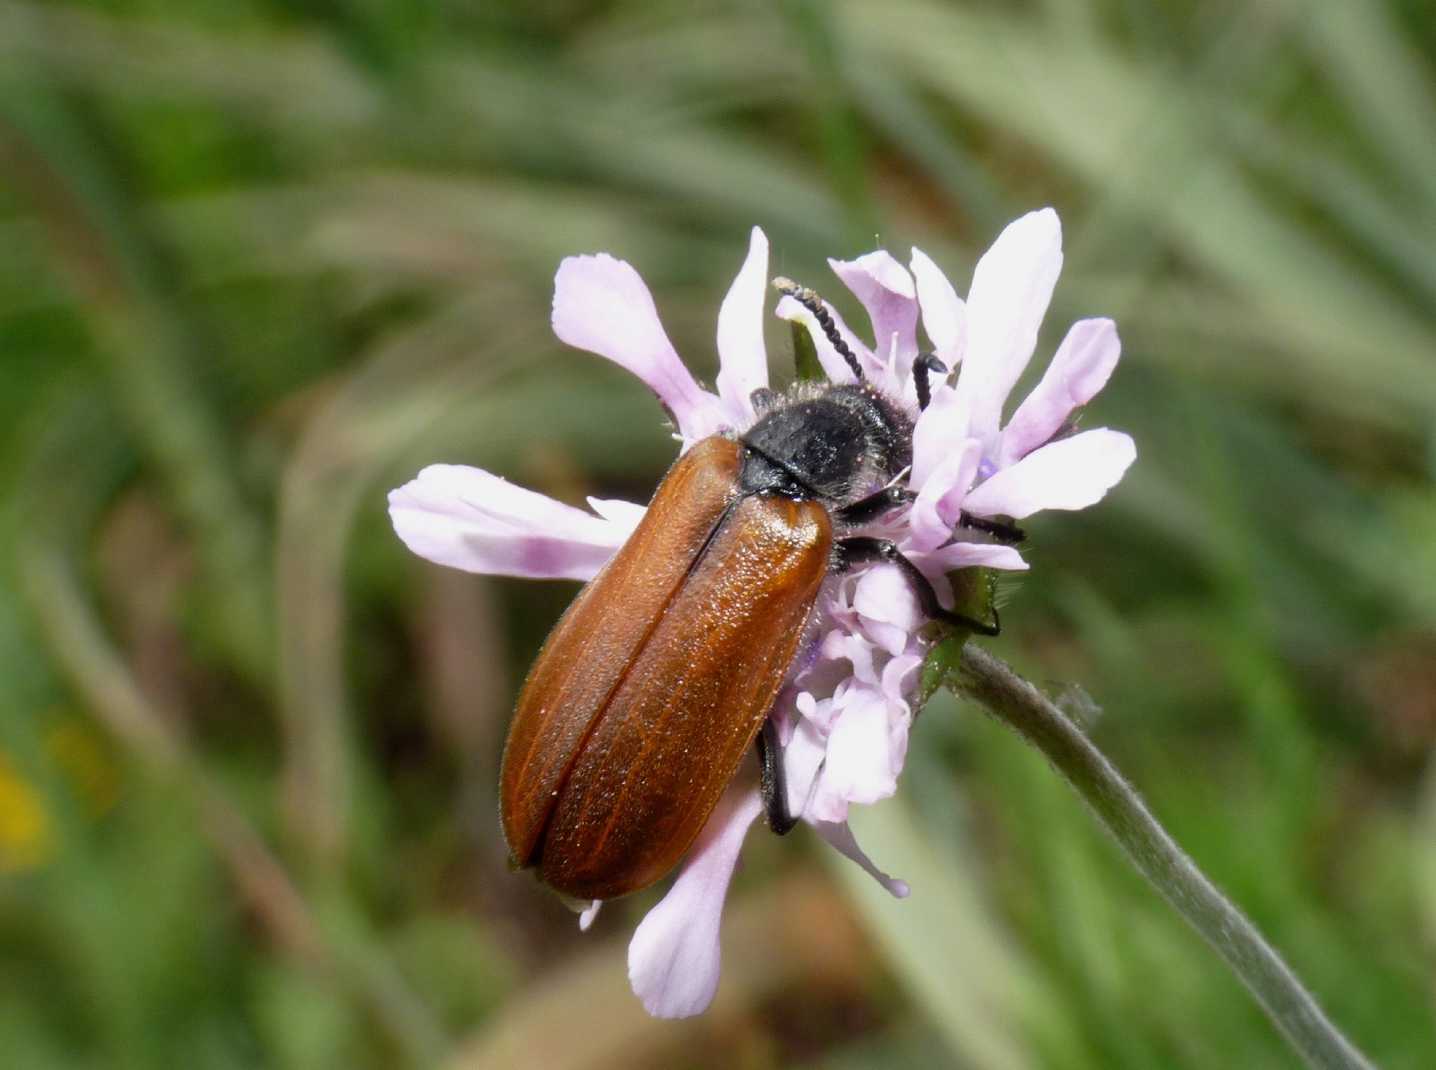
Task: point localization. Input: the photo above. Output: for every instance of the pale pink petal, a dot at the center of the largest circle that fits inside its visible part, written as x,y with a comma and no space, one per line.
741,354
825,804
940,432
1081,367
624,516
899,677
839,645
817,710
823,670
834,366
888,606
586,916
899,721
943,313
1071,473
674,957
939,501
602,305
887,292
471,519
1011,288
860,762
958,555
885,636
802,758
836,599
841,837
884,593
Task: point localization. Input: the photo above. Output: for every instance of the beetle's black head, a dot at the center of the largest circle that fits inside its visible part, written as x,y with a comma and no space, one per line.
831,443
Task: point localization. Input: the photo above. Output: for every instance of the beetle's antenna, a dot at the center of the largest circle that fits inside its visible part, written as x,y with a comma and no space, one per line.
810,300
925,364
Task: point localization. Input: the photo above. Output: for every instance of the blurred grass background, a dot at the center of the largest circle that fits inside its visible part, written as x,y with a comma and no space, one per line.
260,261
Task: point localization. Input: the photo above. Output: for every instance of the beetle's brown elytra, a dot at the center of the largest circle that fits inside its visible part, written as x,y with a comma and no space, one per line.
675,669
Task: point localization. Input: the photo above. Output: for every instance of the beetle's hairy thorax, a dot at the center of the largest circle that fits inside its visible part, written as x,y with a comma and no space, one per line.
831,443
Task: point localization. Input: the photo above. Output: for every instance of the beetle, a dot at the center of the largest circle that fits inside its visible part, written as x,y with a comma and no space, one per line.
659,677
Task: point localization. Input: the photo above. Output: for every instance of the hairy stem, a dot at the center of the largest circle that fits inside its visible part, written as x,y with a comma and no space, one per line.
1022,707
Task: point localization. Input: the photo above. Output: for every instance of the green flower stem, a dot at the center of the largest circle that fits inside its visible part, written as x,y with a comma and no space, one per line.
1022,707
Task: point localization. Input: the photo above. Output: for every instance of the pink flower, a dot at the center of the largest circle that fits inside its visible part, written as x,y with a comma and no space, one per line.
963,458
845,712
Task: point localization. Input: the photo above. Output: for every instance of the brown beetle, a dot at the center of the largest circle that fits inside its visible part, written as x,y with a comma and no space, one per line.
662,672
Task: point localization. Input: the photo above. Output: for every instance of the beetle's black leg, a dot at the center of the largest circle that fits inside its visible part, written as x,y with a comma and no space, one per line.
874,505
861,548
772,781
1001,530
810,300
922,367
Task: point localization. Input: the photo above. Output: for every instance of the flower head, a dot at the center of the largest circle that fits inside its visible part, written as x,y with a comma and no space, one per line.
846,708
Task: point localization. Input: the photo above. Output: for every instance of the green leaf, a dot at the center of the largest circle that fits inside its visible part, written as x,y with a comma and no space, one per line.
974,593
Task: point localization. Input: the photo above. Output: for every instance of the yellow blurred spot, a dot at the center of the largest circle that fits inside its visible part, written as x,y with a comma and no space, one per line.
26,838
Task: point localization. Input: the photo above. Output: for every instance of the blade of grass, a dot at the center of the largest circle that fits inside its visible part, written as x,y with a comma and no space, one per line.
99,674
1385,83
152,344
74,637
402,388
947,944
1345,332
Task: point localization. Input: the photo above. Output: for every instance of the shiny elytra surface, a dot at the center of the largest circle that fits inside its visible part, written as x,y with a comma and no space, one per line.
651,687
